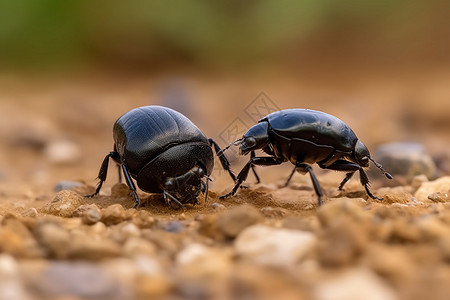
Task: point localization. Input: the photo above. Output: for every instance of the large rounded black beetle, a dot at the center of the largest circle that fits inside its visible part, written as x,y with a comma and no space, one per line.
164,152
305,137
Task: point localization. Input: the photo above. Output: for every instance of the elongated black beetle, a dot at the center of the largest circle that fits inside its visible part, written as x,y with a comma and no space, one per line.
305,137
164,152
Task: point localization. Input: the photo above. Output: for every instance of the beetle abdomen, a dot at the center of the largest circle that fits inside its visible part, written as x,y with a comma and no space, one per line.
314,126
145,132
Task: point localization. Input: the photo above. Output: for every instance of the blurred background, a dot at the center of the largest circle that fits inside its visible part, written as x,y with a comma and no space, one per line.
69,69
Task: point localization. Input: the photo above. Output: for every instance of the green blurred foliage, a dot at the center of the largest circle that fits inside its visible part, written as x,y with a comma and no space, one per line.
154,34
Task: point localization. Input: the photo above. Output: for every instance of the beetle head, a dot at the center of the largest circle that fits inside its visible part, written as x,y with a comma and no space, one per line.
361,154
362,157
185,188
255,138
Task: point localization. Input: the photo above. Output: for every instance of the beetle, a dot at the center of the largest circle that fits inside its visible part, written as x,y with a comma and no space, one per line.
164,152
304,137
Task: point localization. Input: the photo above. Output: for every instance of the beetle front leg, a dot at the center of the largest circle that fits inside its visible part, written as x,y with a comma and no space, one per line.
103,172
223,159
252,155
131,185
262,161
344,165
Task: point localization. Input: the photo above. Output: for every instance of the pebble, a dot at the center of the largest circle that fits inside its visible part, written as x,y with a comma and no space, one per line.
16,239
197,260
136,246
30,212
66,185
144,219
439,197
218,207
62,152
417,181
11,285
274,247
233,221
404,159
80,280
342,243
53,237
174,226
344,208
115,214
353,285
63,204
274,212
427,188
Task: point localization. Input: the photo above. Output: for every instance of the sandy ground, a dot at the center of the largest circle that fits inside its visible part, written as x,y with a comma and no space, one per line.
267,241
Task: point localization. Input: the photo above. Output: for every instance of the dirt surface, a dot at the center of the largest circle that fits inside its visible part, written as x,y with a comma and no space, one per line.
267,242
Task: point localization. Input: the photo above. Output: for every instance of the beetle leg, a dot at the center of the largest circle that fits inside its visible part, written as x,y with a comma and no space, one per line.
223,159
262,161
252,155
131,185
103,172
290,177
314,180
120,173
365,182
345,180
344,165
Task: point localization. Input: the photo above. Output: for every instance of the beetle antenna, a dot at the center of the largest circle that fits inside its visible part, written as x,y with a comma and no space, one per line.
379,166
235,143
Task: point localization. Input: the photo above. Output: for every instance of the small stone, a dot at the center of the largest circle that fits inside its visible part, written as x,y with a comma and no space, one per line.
66,185
197,260
80,280
439,197
30,212
144,219
404,159
273,212
120,190
63,152
16,239
89,214
63,204
218,206
114,214
151,280
342,243
418,180
136,246
174,226
439,185
82,246
11,286
53,237
390,261
354,284
343,208
233,221
274,247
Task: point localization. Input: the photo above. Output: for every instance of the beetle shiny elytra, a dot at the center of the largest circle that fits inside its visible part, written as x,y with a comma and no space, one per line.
305,137
164,152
